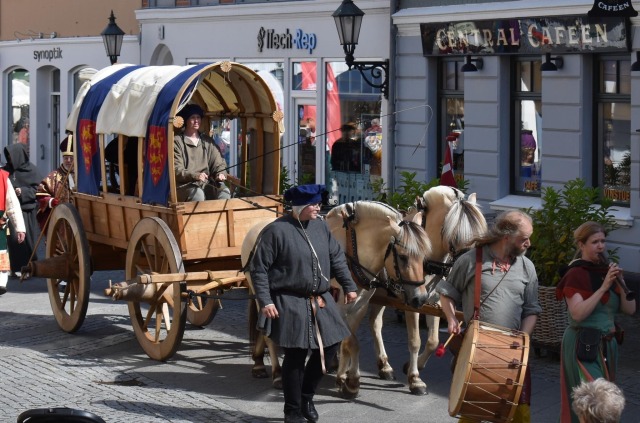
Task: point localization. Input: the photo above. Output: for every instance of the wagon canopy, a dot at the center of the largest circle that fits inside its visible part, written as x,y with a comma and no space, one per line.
141,101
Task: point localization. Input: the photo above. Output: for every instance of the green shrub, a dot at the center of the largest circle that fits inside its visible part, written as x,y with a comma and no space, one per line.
562,212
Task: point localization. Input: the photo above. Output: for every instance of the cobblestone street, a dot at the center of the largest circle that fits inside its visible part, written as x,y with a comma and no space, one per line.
102,369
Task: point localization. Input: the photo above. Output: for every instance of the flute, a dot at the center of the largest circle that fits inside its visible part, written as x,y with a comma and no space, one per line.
630,295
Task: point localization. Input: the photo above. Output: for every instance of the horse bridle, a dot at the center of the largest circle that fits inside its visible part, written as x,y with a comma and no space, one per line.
364,277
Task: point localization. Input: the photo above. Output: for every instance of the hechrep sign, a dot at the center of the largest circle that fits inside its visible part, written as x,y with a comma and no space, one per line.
566,34
270,39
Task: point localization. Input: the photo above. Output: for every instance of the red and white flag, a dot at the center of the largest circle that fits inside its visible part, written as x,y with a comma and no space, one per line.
447,177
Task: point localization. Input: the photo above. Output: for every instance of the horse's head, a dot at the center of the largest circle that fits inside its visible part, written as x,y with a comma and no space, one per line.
450,220
375,238
404,260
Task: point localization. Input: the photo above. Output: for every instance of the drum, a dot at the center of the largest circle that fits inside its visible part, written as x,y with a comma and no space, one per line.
489,373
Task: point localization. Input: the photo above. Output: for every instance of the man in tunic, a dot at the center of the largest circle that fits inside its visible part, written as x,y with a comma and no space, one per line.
294,258
56,187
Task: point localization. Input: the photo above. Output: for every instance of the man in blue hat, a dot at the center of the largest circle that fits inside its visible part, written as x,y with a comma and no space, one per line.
199,166
294,258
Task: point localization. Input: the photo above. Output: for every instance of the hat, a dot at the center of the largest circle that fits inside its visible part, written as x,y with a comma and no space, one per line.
304,194
66,146
190,110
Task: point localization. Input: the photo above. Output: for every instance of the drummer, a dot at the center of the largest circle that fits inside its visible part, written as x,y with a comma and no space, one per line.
199,166
509,283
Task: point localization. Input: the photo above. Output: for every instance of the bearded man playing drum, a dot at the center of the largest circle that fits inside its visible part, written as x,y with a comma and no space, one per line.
509,286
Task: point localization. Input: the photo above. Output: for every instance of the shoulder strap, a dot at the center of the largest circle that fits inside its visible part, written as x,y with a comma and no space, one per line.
478,282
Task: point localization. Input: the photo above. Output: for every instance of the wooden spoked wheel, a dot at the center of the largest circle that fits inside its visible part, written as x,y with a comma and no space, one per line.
202,310
67,241
158,321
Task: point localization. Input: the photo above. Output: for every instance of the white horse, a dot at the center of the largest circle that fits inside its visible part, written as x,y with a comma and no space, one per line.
451,222
390,255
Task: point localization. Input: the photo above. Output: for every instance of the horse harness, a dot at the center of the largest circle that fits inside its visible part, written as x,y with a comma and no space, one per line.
364,277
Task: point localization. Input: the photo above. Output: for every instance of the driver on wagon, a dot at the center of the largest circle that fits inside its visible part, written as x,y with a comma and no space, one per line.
199,166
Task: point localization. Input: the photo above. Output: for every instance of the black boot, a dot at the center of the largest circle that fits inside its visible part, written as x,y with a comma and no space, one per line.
309,411
294,417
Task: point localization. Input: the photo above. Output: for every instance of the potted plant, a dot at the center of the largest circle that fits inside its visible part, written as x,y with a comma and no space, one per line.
552,248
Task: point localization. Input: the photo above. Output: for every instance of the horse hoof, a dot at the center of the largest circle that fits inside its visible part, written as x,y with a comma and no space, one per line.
259,373
418,390
386,375
277,383
348,394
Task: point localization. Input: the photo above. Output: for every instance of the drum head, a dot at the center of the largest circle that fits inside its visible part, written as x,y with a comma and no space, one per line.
463,368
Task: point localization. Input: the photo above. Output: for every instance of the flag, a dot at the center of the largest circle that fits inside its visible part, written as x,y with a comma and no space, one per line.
88,171
156,178
334,122
447,177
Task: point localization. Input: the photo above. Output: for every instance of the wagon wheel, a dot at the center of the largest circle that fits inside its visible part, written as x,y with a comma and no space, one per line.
66,239
158,322
202,310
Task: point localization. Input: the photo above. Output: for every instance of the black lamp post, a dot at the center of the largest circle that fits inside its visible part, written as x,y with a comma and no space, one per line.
112,37
348,19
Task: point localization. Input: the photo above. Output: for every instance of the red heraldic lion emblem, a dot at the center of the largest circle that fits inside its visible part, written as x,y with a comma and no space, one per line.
157,152
88,142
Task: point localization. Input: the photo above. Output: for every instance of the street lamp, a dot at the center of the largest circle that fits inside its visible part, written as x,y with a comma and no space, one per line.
348,19
112,37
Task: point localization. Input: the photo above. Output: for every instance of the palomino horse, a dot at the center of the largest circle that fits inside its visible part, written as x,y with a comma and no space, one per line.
452,222
391,255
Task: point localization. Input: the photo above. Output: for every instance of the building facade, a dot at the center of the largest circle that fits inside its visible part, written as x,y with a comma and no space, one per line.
526,95
44,46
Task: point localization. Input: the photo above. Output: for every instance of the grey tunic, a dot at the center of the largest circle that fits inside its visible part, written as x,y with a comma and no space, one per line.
515,298
190,161
285,272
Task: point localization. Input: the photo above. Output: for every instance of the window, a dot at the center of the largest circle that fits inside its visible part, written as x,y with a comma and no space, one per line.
526,144
613,128
452,114
354,134
19,92
304,76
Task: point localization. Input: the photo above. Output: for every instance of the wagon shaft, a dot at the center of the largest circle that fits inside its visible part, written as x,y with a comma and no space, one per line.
143,287
56,267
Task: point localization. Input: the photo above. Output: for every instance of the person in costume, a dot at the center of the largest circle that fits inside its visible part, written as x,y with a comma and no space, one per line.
56,187
593,298
199,166
25,179
509,287
9,210
294,258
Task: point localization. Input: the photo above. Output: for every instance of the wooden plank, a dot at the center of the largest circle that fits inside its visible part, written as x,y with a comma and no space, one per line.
100,218
116,215
433,310
231,229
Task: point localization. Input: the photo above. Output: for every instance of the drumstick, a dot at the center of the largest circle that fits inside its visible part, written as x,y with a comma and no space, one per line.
441,348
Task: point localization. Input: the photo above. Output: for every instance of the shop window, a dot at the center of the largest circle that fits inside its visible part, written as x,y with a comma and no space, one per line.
526,141
451,93
304,76
613,128
19,92
354,134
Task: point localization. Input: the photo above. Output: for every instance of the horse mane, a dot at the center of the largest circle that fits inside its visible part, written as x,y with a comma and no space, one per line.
415,239
463,223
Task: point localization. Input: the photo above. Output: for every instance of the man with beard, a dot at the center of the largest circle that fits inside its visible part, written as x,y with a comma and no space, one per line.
509,285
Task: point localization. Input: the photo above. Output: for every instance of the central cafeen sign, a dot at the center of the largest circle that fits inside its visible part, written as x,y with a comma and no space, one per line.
569,34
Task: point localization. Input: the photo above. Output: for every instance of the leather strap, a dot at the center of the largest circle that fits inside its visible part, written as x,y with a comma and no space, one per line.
320,301
478,282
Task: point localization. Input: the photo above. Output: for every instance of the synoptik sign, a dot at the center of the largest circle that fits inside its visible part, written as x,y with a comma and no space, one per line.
54,53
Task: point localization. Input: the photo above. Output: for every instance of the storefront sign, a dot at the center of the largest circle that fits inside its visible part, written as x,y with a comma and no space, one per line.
575,34
54,53
270,39
612,8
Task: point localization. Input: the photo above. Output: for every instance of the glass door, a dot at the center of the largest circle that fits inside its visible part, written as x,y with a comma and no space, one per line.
306,168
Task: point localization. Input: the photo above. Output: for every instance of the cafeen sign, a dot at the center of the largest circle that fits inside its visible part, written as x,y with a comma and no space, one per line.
612,8
571,34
